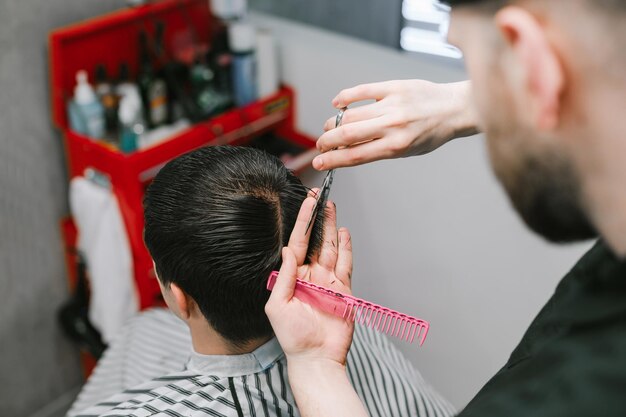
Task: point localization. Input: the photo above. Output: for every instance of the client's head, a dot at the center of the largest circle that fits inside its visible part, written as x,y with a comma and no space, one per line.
216,220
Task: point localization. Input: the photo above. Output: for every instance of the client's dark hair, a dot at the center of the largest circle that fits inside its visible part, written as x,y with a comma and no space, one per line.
216,220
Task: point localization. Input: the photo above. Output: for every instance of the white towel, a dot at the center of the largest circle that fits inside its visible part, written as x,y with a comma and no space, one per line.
103,240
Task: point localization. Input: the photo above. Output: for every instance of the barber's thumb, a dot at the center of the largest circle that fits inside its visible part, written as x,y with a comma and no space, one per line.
286,281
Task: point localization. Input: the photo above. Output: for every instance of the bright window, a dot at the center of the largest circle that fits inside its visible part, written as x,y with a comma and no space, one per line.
425,28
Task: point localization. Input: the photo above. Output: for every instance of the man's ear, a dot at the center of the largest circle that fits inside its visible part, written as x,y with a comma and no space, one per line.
184,303
542,76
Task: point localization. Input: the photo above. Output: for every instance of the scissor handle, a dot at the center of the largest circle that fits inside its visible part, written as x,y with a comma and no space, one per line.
325,191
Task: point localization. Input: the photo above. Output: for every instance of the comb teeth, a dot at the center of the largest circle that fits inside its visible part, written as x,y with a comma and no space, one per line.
385,320
377,317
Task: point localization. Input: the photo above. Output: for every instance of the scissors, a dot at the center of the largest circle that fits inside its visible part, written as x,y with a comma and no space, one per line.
322,196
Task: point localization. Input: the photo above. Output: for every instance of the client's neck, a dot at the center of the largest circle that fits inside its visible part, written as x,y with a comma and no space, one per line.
206,341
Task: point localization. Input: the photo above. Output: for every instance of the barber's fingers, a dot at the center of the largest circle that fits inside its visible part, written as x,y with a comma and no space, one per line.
343,269
328,252
286,282
313,192
353,133
356,114
372,91
362,153
299,239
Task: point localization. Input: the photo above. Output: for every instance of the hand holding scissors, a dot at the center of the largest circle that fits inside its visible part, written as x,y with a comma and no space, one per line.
322,196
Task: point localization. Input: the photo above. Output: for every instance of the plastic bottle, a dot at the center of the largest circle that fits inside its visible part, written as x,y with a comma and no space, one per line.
86,113
242,39
268,80
131,122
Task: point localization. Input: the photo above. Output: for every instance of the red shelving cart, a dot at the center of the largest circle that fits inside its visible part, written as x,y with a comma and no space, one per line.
111,39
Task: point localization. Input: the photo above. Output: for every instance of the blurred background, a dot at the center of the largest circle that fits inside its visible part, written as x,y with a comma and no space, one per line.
433,236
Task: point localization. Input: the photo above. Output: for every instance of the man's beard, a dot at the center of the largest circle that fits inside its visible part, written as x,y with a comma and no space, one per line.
545,191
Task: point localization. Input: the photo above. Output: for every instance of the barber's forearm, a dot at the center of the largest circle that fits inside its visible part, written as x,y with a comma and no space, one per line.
465,119
322,389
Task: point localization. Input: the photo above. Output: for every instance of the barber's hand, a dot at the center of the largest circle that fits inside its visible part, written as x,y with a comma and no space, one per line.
306,334
409,117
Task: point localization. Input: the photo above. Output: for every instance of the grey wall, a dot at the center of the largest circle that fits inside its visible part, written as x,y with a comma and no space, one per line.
433,236
37,364
371,20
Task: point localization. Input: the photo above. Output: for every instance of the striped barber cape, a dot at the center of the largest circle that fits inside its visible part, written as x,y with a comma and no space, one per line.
148,371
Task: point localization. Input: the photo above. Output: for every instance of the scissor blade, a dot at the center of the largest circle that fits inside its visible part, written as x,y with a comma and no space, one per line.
328,182
311,219
322,197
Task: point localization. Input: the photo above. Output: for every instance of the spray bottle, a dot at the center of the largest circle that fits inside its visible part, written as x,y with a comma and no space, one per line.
86,113
242,38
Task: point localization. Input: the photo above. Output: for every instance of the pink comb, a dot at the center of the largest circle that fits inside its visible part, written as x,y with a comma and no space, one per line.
346,306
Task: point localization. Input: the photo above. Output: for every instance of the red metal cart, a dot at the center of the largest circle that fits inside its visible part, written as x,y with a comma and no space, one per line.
110,39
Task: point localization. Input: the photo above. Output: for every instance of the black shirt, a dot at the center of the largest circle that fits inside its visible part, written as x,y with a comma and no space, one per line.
572,360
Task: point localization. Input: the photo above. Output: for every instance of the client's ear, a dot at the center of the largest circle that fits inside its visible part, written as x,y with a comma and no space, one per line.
184,303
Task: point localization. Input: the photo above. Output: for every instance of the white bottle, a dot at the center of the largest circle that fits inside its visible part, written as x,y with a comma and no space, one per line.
131,122
86,111
268,79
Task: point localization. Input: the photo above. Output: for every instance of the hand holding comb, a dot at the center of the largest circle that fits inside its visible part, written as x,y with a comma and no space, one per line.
358,310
